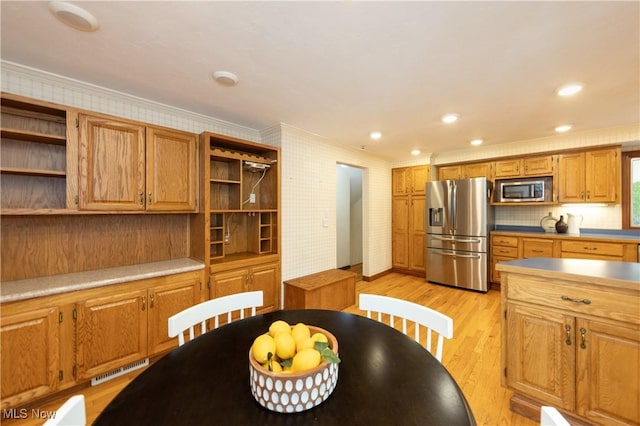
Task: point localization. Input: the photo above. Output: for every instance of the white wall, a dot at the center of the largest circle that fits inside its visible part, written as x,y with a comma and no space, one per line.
343,217
308,195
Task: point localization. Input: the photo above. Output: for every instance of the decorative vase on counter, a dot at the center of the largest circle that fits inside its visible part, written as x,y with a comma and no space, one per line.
561,226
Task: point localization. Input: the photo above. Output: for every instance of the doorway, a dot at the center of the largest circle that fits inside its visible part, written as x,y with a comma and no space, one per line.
349,218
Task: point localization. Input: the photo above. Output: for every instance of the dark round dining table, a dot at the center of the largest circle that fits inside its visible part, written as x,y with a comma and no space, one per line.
384,378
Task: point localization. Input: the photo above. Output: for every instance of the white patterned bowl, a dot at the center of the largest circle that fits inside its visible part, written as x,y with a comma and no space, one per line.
294,392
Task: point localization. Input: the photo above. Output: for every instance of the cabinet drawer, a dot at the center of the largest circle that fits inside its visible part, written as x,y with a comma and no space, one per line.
502,240
586,300
505,251
593,248
537,248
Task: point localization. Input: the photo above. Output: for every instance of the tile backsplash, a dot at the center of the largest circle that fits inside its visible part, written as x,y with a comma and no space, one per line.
595,217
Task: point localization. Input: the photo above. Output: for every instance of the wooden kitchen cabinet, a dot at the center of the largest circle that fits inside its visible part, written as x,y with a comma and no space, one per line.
36,157
408,221
573,342
125,165
474,170
592,176
237,231
264,277
527,166
129,323
535,247
165,300
111,332
503,249
409,180
30,355
450,172
171,170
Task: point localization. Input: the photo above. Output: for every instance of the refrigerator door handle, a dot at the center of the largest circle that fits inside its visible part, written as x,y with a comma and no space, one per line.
454,203
467,256
458,240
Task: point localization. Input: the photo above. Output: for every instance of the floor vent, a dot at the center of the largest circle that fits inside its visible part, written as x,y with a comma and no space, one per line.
119,372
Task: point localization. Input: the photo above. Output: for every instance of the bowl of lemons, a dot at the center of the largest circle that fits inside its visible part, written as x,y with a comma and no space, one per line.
293,368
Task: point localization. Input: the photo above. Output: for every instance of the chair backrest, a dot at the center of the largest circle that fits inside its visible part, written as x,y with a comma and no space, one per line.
212,309
71,413
418,314
549,416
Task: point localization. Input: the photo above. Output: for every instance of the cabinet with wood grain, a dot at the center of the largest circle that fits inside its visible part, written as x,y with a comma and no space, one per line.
408,207
592,176
128,166
563,347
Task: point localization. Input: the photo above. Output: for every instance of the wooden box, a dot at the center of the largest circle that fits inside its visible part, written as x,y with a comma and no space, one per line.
333,289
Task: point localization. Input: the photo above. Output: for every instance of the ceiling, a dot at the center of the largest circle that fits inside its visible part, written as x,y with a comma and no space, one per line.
343,69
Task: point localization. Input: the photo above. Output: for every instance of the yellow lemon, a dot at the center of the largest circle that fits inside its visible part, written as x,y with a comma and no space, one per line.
304,343
262,346
304,360
275,366
279,326
285,345
300,331
319,337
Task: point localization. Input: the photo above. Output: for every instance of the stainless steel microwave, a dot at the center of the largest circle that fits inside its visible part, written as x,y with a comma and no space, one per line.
523,190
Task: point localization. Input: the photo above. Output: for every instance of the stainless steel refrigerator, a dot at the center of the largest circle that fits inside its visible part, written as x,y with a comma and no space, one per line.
458,221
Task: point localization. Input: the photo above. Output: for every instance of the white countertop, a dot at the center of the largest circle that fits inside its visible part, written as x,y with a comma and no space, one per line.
13,291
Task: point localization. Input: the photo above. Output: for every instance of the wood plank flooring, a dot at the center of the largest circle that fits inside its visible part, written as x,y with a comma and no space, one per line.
472,356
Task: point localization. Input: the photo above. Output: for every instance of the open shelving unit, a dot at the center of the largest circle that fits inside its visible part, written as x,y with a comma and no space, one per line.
240,198
33,156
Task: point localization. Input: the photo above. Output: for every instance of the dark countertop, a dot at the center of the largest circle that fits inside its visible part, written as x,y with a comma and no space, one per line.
626,236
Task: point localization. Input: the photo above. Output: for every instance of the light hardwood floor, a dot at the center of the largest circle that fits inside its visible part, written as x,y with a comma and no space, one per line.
472,356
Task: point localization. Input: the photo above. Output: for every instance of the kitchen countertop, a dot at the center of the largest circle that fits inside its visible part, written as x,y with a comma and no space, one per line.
601,272
630,237
13,291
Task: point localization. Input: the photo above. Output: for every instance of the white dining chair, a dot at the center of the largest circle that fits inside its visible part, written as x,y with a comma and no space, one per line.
71,413
212,309
550,416
420,315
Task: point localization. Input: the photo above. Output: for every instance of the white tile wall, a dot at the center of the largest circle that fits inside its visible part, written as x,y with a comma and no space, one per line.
596,217
308,196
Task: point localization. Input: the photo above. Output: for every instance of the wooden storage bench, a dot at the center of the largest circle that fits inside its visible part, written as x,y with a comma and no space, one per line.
333,289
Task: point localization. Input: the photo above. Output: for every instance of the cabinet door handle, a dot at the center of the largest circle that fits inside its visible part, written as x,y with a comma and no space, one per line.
590,248
537,251
588,195
583,338
144,302
151,300
567,328
150,199
141,197
569,299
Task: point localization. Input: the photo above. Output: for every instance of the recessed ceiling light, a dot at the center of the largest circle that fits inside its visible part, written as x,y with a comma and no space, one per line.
415,152
450,118
375,135
476,142
569,89
563,128
225,78
74,16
